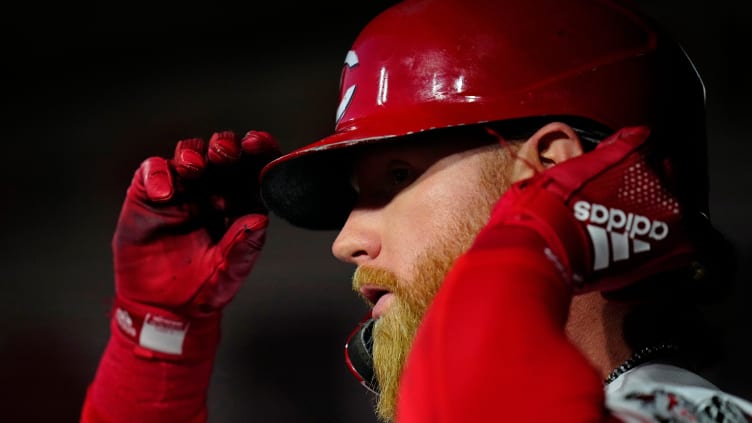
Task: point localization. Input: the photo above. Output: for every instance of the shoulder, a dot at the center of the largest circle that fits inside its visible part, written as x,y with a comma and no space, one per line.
661,392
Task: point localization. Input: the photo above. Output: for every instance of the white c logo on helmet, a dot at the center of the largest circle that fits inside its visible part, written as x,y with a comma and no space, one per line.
350,60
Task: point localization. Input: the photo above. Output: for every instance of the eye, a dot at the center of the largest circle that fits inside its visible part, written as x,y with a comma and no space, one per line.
380,180
400,175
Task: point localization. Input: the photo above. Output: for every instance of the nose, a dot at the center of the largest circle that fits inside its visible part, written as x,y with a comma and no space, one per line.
358,242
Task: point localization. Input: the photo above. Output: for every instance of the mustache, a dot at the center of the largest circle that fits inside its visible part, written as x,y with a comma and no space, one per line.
376,276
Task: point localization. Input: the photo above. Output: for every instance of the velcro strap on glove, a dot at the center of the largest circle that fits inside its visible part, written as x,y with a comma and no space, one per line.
161,334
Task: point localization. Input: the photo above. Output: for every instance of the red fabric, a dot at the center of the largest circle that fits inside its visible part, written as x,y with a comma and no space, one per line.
90,415
492,348
132,385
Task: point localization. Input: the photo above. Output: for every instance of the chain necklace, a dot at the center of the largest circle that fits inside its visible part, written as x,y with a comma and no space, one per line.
639,357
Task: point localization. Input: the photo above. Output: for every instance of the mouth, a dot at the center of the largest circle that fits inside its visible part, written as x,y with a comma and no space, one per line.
379,297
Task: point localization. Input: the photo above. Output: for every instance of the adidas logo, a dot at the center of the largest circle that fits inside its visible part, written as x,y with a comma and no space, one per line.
612,231
125,322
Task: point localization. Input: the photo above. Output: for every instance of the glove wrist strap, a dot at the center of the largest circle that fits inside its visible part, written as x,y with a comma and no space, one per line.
160,334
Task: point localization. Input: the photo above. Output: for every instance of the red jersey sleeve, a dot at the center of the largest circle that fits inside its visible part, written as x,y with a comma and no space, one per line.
492,347
134,385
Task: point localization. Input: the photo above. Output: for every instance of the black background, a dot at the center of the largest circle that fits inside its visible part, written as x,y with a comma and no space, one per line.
90,91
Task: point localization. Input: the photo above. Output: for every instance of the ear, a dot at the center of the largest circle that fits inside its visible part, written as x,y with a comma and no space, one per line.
551,144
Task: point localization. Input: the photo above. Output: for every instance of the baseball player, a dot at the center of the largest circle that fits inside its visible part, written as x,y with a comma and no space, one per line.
522,188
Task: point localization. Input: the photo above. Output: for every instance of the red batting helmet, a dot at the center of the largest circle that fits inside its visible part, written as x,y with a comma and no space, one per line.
430,64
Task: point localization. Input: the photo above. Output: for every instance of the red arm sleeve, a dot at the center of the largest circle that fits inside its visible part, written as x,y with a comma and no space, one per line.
492,348
135,385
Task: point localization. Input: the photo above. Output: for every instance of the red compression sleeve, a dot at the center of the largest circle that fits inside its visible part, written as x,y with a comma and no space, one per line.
492,347
134,384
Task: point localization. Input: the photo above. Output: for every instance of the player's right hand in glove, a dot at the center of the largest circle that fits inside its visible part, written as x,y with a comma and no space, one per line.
189,232
609,218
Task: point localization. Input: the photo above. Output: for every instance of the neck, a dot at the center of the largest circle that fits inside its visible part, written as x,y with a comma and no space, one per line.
595,327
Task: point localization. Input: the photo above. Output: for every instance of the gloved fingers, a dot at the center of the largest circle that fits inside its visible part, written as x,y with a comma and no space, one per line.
224,149
220,176
260,143
232,172
157,179
190,158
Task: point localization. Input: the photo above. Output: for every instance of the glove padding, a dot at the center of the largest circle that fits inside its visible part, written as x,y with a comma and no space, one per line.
189,232
608,218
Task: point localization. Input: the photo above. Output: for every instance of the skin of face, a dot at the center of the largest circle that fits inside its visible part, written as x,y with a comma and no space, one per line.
408,196
420,205
411,192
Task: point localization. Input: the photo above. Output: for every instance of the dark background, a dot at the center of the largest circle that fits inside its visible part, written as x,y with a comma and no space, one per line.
90,91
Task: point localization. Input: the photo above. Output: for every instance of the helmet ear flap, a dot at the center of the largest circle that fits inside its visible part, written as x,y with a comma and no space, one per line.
679,131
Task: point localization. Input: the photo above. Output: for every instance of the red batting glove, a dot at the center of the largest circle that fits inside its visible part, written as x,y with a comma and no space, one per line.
189,232
608,218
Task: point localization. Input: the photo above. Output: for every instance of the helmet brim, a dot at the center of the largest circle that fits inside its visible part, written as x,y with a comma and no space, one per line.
310,187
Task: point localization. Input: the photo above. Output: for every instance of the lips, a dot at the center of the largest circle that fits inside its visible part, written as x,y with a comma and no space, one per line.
380,298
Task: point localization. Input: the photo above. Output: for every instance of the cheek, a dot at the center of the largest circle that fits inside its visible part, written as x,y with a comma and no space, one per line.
409,230
420,219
